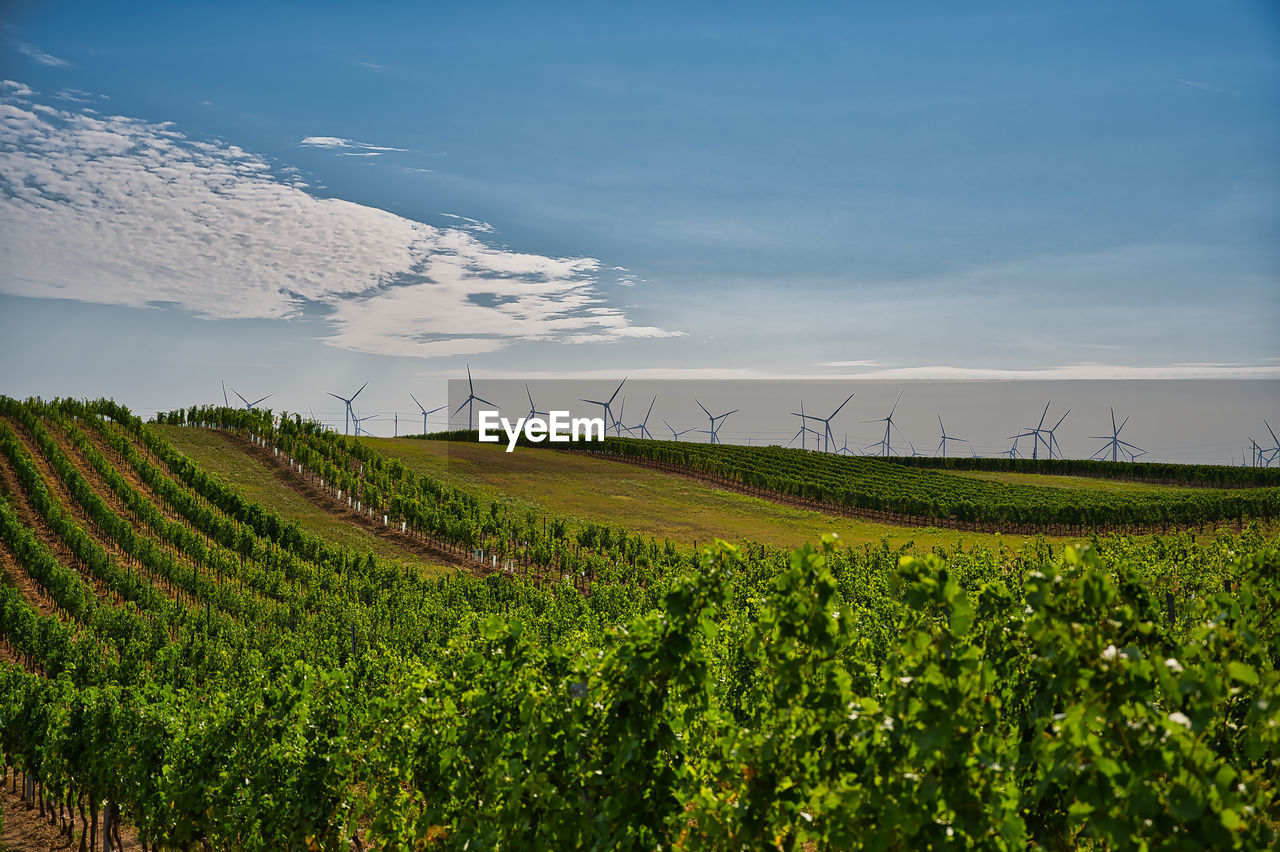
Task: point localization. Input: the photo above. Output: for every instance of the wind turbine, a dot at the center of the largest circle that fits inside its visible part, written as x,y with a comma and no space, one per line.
1272,453
1115,444
675,435
249,406
226,402
844,450
945,437
617,424
359,420
533,409
643,427
608,405
715,430
1037,434
804,427
346,428
828,438
1053,438
885,443
425,412
471,398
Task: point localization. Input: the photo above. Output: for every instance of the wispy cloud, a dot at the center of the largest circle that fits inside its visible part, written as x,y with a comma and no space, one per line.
337,143
471,224
40,56
16,89
120,211
1205,87
79,96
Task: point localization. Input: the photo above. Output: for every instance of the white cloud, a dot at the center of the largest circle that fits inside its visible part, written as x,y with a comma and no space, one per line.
337,142
471,224
120,211
77,96
40,56
18,90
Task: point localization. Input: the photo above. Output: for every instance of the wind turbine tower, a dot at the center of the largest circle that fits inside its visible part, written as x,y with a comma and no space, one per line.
471,399
425,412
942,445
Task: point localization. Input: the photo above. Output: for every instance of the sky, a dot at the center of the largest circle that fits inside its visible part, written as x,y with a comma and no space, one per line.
297,198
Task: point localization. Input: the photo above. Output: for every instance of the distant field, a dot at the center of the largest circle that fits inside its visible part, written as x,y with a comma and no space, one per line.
215,452
659,504
1077,483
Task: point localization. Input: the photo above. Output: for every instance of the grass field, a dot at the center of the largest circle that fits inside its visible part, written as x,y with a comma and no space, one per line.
215,452
1077,483
642,500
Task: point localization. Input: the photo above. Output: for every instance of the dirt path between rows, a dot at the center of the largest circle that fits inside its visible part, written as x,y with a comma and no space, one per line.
279,466
25,831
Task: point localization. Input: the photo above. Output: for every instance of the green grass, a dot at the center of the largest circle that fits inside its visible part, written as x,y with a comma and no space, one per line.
646,501
217,453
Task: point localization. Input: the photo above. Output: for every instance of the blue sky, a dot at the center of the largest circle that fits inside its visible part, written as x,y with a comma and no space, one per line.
1003,190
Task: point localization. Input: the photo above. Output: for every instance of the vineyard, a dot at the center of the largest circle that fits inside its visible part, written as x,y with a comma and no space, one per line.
916,494
188,666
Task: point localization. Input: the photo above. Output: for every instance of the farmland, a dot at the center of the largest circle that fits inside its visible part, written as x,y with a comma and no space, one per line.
237,633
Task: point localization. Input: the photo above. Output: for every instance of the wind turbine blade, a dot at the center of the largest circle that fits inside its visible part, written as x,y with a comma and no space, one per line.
1272,431
727,413
704,408
470,388
1117,431
434,410
237,393
485,401
529,394
593,401
357,393
335,396
1113,421
264,399
415,400
1045,414
650,411
618,388
225,401
465,403
895,403
1059,423
842,405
